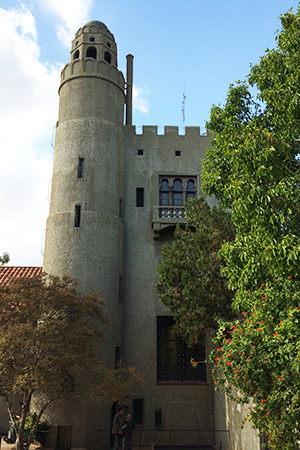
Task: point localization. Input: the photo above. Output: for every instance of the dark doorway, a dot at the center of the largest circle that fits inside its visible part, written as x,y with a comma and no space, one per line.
64,438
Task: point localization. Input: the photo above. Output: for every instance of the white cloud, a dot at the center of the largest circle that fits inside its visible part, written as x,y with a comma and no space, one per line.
139,101
72,13
28,110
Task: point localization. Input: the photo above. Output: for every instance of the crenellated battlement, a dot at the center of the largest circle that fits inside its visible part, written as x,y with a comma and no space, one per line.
89,67
168,131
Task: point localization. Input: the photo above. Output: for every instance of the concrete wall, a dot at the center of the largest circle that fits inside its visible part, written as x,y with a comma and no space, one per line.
228,416
183,405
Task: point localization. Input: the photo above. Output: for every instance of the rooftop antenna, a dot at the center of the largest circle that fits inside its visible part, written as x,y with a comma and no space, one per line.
183,107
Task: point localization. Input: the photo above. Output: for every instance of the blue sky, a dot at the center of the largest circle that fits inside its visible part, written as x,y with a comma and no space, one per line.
198,45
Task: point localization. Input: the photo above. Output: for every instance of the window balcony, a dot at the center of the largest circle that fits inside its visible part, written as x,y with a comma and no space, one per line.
166,217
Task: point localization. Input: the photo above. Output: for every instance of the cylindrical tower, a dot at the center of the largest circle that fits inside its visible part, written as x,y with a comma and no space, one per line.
84,235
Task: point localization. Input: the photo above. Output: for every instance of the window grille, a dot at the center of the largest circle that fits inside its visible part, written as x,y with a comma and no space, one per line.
174,356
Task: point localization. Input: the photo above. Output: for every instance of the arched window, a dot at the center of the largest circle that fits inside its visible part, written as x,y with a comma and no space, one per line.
190,192
76,54
91,53
177,193
164,193
107,57
174,191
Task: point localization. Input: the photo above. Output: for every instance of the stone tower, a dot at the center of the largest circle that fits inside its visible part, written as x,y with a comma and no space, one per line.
84,236
85,228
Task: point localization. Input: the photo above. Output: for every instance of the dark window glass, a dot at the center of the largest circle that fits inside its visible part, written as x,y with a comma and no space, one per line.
174,191
164,199
91,53
121,288
109,44
140,152
118,356
174,356
107,57
92,39
190,195
139,197
177,193
158,419
190,185
190,192
121,208
76,54
177,185
164,185
80,167
138,410
77,216
164,193
177,153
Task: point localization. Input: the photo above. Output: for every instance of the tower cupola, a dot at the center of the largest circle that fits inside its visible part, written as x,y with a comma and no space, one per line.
95,41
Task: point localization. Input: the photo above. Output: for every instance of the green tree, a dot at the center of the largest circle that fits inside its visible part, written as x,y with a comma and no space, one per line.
4,258
190,283
253,166
49,346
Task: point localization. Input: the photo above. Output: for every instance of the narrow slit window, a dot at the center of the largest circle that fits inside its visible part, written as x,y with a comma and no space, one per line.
158,419
121,289
80,167
140,152
121,209
77,216
139,197
118,356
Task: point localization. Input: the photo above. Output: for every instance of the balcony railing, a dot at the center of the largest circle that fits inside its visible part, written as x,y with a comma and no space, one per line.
166,216
171,212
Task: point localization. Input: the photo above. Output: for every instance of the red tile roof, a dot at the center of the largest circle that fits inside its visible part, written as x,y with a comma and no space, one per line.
8,273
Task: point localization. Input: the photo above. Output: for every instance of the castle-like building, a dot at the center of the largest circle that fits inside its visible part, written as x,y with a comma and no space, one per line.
116,198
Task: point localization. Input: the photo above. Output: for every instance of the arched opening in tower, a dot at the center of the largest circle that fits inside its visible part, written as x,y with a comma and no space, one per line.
91,53
107,57
76,54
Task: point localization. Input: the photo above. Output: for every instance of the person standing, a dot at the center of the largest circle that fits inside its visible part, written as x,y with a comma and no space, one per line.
128,433
117,428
